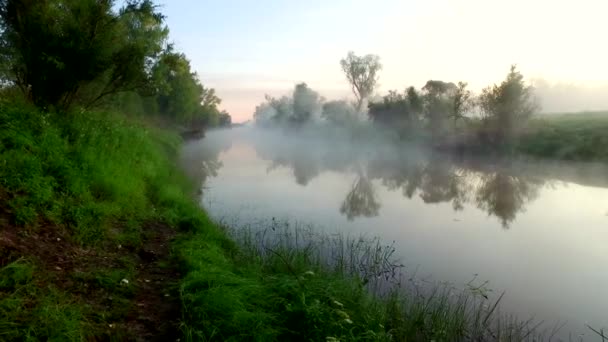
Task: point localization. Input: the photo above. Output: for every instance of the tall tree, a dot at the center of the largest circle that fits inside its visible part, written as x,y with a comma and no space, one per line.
362,74
399,111
438,99
306,102
507,107
56,51
463,101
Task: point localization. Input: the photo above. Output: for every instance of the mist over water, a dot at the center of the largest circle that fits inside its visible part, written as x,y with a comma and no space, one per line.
533,229
569,97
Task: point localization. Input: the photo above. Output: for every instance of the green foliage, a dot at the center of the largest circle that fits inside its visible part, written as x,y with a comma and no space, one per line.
32,313
577,136
401,112
58,50
179,94
507,107
87,172
439,102
300,286
432,111
15,274
233,297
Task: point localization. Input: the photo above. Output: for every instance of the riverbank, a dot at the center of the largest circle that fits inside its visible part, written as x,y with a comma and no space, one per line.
102,239
88,212
568,136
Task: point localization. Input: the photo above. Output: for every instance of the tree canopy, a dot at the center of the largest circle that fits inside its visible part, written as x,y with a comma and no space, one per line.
507,106
362,75
64,52
58,50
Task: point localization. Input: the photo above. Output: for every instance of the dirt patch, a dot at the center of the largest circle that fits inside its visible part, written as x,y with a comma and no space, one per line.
145,309
156,311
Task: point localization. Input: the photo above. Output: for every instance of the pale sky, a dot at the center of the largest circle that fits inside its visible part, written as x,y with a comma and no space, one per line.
245,48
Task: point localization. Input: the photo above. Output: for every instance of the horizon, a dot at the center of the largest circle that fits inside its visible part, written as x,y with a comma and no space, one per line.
246,50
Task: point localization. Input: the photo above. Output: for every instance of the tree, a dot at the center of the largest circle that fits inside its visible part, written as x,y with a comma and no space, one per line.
361,200
438,100
179,94
282,108
225,120
506,107
296,110
264,112
57,51
398,111
504,195
362,74
177,91
306,102
463,101
339,112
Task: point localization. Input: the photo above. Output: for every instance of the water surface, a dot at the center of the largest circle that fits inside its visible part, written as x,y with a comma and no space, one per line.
537,230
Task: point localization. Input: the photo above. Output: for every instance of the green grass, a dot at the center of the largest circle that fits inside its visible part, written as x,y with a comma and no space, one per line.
98,178
575,136
297,285
93,178
84,171
29,312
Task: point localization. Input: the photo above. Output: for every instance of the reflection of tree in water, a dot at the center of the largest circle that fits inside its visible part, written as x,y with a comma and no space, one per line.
200,159
304,169
361,200
398,173
504,196
441,182
436,178
499,191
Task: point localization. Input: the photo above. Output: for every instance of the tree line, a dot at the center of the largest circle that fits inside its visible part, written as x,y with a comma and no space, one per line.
61,54
445,113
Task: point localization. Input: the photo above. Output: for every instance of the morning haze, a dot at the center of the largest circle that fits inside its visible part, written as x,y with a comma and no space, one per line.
340,170
250,49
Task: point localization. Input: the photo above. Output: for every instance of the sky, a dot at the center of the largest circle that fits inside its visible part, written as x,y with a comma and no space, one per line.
246,49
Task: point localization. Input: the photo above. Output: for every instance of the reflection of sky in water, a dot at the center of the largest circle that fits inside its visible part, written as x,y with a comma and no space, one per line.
550,260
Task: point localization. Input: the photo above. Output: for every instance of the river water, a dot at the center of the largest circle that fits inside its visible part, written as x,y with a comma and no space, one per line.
536,230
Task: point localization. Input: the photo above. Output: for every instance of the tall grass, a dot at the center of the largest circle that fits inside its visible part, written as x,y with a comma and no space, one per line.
293,283
95,179
93,173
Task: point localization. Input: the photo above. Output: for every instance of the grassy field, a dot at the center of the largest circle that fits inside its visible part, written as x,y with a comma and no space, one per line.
573,136
102,240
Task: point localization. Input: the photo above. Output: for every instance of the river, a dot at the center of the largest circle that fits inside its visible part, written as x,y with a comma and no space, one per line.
536,230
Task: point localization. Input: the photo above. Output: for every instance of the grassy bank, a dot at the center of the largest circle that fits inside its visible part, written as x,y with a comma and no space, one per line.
573,136
102,240
85,199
